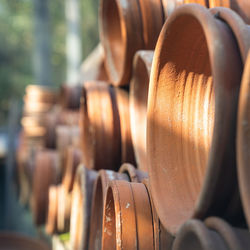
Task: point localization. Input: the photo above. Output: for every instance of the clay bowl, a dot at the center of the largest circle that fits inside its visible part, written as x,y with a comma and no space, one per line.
99,124
138,98
187,96
135,175
127,219
100,188
162,238
125,27
243,139
81,208
51,222
70,96
127,151
15,241
242,7
46,173
73,159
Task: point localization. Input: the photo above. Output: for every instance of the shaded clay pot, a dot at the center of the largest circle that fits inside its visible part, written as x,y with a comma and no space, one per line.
138,98
70,96
47,172
99,192
81,208
192,109
100,127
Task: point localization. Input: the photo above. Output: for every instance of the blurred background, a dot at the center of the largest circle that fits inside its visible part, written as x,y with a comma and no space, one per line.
41,42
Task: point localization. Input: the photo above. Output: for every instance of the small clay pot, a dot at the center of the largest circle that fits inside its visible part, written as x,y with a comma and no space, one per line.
47,172
127,219
73,159
138,98
100,127
127,150
188,93
81,207
70,96
242,7
51,222
100,188
16,241
243,139
135,175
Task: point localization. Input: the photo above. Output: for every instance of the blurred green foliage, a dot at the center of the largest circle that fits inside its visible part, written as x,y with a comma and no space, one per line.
16,44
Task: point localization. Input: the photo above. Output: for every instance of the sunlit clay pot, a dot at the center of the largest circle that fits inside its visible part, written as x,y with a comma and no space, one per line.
127,219
242,7
125,27
100,188
138,98
135,175
191,118
127,151
243,140
81,207
47,172
100,127
16,241
73,159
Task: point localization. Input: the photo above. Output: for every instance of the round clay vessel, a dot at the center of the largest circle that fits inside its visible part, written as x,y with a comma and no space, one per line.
47,172
99,124
127,219
138,98
192,108
81,208
99,192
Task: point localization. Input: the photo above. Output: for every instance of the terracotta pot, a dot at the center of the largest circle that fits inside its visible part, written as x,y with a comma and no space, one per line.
80,208
47,172
135,175
187,96
100,188
235,238
127,217
73,159
92,68
127,151
63,209
15,241
243,154
242,7
125,27
70,96
51,222
138,98
99,124
162,238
